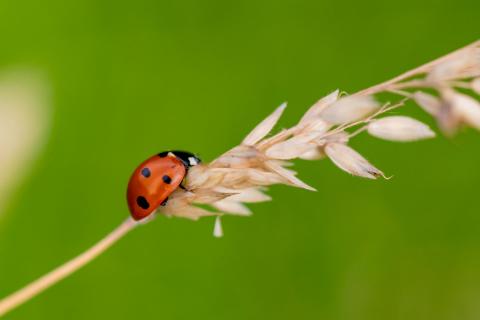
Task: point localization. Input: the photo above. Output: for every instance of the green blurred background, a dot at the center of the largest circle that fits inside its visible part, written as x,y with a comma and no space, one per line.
130,79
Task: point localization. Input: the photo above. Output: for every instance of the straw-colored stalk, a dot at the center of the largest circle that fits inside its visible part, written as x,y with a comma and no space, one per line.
242,174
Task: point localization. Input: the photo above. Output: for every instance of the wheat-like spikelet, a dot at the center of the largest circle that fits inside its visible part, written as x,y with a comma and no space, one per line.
447,88
242,174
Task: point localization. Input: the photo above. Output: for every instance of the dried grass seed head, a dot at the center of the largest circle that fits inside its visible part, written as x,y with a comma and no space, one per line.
240,175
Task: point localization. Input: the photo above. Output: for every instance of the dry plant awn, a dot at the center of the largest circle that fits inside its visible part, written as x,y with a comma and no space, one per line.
447,88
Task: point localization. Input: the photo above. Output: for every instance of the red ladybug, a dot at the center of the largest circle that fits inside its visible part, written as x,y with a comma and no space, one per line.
155,179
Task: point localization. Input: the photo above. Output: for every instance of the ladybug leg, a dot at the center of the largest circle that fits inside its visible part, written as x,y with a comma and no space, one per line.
183,187
164,203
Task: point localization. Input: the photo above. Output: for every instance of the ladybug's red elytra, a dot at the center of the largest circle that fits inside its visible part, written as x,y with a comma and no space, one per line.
155,179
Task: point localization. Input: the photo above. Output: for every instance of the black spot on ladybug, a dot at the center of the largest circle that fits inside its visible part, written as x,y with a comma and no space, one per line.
143,203
167,179
146,172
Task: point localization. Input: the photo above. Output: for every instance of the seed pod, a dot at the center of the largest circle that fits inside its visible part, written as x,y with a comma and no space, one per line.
264,127
400,128
466,108
350,109
288,175
313,154
476,85
351,161
217,229
427,102
315,110
293,147
233,207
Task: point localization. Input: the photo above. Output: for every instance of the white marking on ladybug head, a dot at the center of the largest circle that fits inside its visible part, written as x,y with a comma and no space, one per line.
170,154
192,161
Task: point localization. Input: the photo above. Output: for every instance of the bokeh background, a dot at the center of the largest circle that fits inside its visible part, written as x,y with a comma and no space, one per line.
129,79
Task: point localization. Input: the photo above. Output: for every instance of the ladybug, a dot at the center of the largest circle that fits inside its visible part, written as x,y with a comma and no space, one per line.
155,179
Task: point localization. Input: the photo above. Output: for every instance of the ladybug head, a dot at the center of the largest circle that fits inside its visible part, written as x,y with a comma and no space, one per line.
188,158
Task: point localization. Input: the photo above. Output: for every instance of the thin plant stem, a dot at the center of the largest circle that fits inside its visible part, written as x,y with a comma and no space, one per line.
413,72
34,288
